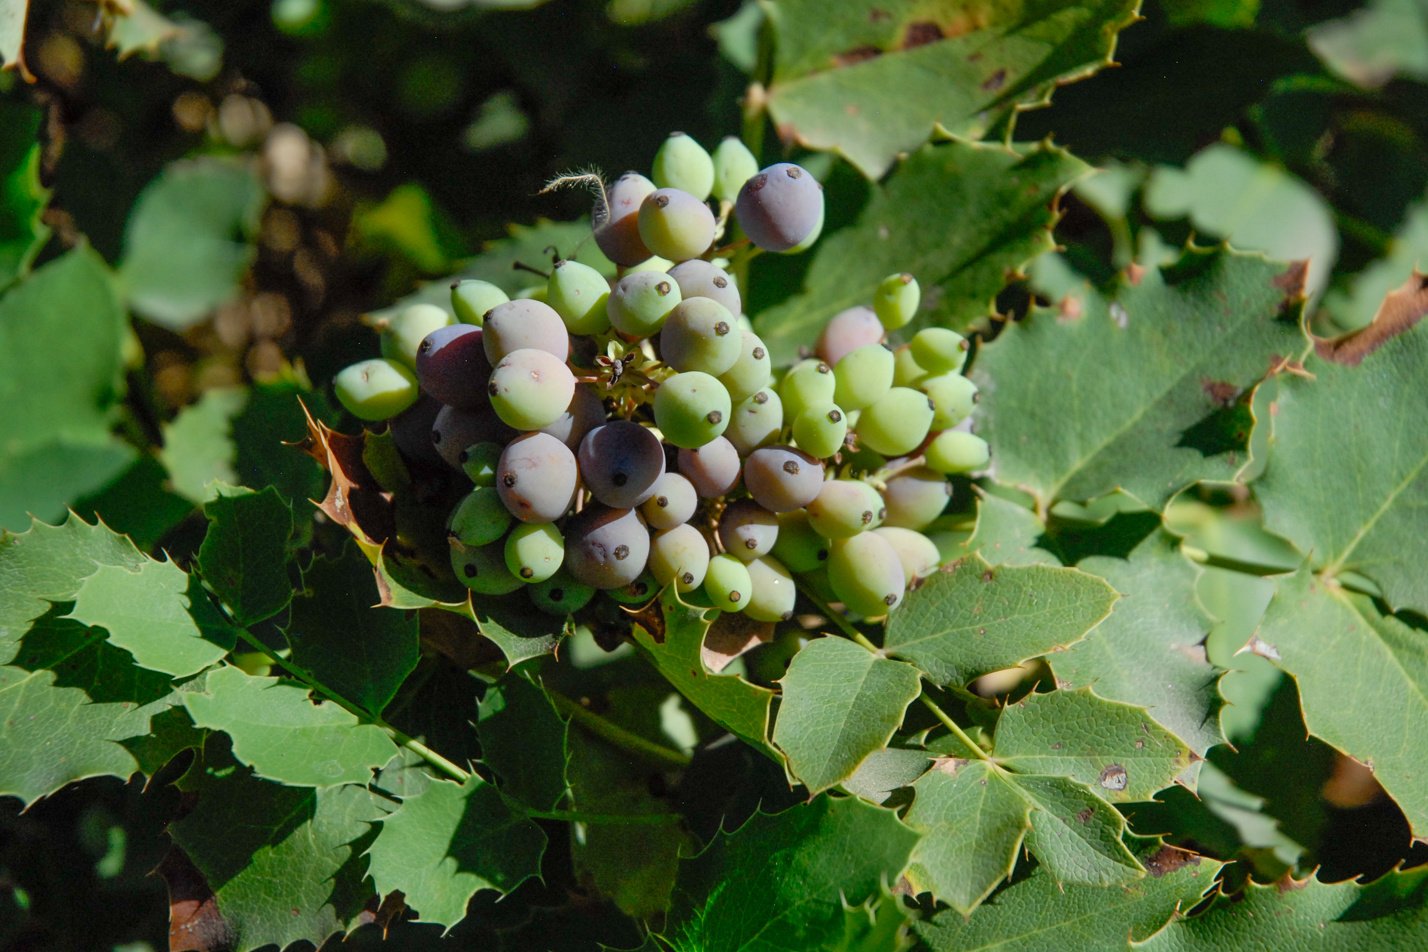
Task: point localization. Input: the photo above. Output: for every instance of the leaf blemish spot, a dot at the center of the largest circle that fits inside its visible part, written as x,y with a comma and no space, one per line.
1114,777
995,81
1085,815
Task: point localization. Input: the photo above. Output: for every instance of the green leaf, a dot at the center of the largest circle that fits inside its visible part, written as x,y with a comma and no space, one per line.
1075,834
1038,909
874,86
976,815
1390,913
521,631
524,741
973,618
781,881
974,823
241,437
47,564
1227,193
1112,748
840,703
283,862
1225,13
1347,479
55,444
1363,681
340,636
245,555
12,32
51,735
965,217
1148,653
22,233
450,841
1381,40
188,240
283,736
1148,380
886,771
731,702
157,613
634,864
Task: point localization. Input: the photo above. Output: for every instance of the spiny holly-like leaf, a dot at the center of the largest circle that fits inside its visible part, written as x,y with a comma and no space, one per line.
52,735
873,84
47,564
965,217
974,823
157,613
1028,913
340,636
135,27
1112,748
1075,834
1149,380
22,233
283,736
1347,480
283,863
731,702
186,244
245,554
974,618
72,705
450,841
239,436
780,882
1373,44
55,428
521,631
1363,681
840,703
524,740
1148,652
976,816
1390,913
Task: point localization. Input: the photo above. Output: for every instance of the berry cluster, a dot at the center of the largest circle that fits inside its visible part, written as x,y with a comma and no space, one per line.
634,435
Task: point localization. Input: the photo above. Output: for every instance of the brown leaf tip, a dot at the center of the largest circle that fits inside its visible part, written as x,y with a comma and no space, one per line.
1401,310
1293,280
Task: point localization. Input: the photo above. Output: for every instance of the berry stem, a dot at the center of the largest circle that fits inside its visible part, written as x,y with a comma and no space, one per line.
617,735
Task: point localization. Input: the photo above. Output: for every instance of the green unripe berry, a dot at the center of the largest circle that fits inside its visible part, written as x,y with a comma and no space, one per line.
774,592
560,594
862,376
896,300
866,574
479,462
734,165
939,350
727,583
953,396
820,430
897,423
376,389
471,299
682,163
953,451
483,568
578,293
534,550
691,409
403,333
480,518
808,383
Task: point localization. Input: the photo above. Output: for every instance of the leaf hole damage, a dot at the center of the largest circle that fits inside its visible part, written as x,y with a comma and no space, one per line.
1114,777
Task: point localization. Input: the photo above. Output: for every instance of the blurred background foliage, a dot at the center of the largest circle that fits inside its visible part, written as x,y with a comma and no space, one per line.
262,175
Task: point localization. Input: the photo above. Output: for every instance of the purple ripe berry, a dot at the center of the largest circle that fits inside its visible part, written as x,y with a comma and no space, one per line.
617,223
780,207
451,366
